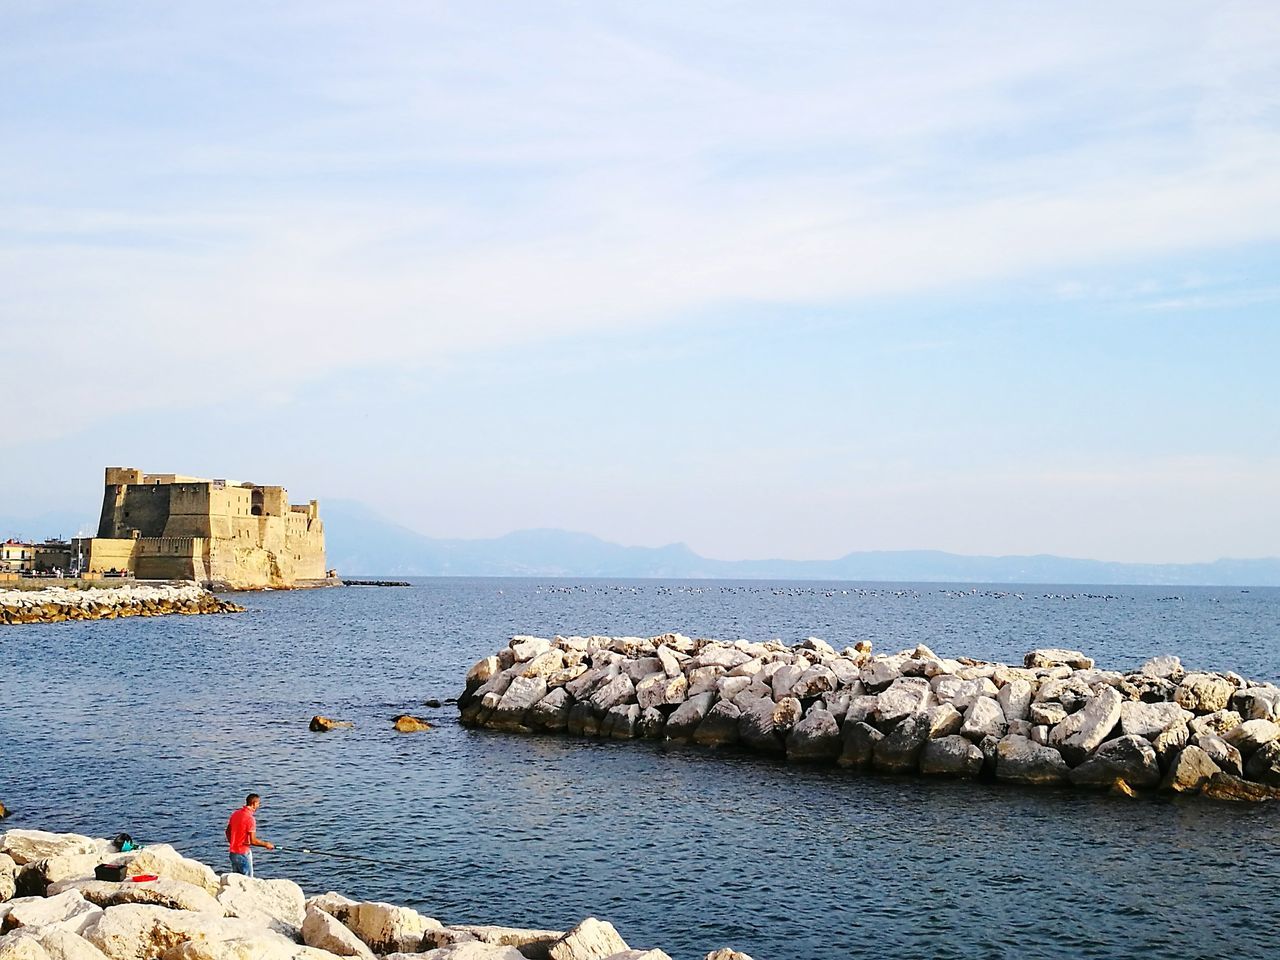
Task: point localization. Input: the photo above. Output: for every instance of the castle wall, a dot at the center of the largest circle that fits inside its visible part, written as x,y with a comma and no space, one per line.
183,528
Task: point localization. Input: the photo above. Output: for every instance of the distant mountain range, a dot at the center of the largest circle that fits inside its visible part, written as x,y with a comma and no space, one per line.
362,543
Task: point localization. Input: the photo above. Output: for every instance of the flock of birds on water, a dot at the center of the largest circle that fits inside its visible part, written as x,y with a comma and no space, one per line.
826,592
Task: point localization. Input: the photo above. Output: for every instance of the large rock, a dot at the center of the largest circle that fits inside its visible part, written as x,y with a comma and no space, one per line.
787,713
1264,765
161,892
28,846
326,932
814,682
858,744
1128,758
276,904
1020,761
1222,753
944,720
1203,693
1164,668
530,943
463,950
1257,703
619,690
162,860
519,698
1015,699
952,756
1216,723
8,877
756,728
984,718
1084,731
592,939
1140,719
719,728
1057,657
1047,713
1223,786
526,648
1251,735
1170,740
621,722
385,927
47,943
141,932
660,689
899,751
682,723
905,696
551,712
1191,769
67,911
815,737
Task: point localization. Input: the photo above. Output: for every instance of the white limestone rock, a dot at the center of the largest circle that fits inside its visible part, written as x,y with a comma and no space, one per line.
163,860
47,942
526,648
385,927
591,939
140,931
1015,699
276,904
661,689
1048,713
685,720
904,696
1227,757
858,744
1216,723
1251,735
326,932
1163,668
1148,719
1258,703
1203,693
984,718
551,712
719,728
619,690
815,737
66,911
1081,733
899,751
1057,657
28,846
944,720
815,681
8,877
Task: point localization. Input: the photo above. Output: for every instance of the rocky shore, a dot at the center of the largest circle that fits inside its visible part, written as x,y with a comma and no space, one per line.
58,604
52,907
1056,719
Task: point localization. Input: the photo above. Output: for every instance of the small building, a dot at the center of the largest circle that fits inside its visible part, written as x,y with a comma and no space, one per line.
17,557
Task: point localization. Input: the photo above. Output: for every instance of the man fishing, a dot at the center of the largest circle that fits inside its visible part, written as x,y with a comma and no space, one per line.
242,836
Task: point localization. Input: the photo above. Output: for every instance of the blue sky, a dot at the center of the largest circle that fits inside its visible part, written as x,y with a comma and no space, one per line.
785,282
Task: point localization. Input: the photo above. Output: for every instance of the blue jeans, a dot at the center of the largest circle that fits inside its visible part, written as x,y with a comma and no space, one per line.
242,863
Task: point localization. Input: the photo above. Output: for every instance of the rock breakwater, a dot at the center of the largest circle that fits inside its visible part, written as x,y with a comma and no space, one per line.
59,604
1056,719
53,907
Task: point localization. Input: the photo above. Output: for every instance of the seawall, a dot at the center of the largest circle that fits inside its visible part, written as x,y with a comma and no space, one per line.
160,904
1056,719
59,604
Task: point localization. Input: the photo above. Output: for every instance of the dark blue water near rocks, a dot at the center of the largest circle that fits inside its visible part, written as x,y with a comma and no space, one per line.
160,726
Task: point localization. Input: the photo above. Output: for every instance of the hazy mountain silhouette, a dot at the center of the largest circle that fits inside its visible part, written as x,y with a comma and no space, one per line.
362,543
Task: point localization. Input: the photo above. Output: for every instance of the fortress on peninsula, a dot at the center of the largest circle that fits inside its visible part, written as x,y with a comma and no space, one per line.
161,526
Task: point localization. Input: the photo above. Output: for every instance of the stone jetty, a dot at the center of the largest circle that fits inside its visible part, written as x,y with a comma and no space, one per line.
170,907
58,604
1056,719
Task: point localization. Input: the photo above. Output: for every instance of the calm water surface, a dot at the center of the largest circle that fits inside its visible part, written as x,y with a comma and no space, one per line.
159,727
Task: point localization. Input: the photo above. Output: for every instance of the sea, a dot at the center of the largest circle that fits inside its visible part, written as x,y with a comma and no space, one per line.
159,727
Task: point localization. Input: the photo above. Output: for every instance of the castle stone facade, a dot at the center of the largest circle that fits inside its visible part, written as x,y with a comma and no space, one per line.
170,527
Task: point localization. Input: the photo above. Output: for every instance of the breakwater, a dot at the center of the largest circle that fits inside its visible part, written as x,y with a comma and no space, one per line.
59,604
1056,719
78,897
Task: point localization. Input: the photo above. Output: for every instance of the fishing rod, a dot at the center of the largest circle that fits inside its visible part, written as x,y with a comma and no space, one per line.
329,853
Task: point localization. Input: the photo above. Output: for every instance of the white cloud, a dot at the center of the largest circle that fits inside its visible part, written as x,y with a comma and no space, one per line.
328,188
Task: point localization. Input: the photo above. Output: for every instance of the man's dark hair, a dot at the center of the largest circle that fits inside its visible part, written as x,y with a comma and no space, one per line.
250,798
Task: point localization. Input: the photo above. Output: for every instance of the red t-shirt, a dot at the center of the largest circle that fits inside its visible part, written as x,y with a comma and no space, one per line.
239,829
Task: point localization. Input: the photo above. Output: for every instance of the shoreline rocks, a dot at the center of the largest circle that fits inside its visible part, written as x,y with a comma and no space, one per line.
1057,719
60,604
187,912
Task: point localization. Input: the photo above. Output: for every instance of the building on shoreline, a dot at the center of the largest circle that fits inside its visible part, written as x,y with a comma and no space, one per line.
169,527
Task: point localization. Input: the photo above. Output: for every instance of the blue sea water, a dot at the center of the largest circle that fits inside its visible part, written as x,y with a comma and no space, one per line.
158,727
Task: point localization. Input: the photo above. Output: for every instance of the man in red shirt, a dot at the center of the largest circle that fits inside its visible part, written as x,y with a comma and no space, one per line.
242,836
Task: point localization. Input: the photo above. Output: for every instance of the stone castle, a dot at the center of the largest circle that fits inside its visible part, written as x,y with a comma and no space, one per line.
169,527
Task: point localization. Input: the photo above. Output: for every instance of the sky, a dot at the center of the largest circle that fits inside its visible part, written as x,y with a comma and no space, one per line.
773,280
